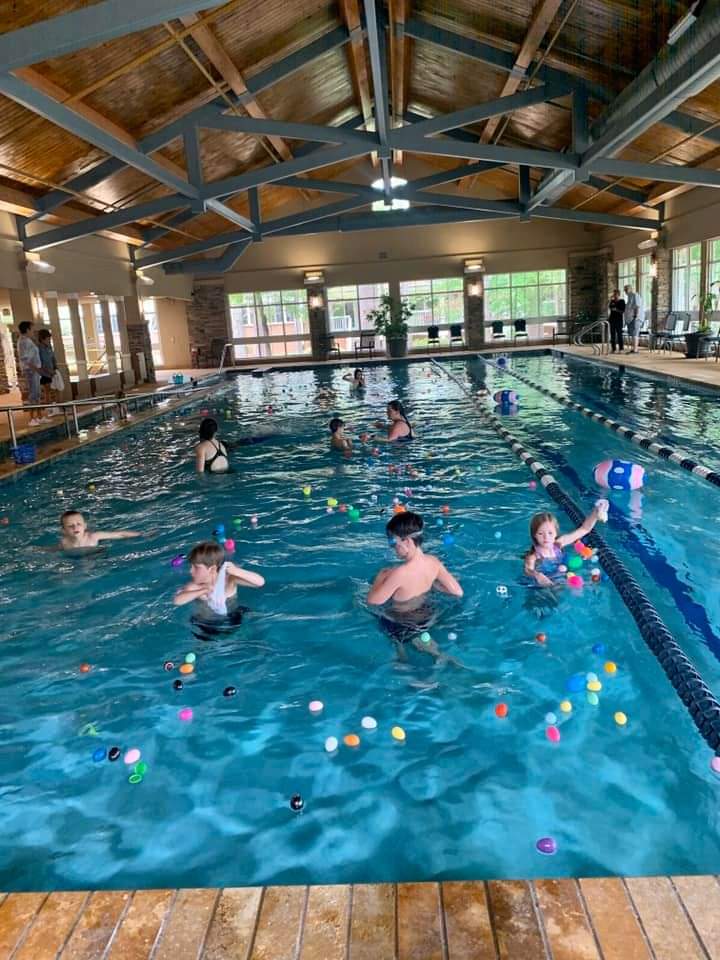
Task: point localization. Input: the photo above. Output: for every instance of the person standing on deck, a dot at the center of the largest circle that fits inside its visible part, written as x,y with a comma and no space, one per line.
616,318
633,316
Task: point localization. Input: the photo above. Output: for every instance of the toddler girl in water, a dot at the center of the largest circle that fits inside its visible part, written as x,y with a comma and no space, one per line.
545,560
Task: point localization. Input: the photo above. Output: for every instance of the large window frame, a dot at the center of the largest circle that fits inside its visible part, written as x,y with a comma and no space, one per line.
537,296
712,271
269,323
150,312
347,308
438,302
636,272
686,278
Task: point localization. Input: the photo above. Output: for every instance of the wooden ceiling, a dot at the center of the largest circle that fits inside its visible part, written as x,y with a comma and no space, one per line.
137,84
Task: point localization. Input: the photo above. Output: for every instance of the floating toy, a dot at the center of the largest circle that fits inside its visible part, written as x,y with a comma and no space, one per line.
332,502
307,490
594,686
85,668
186,668
553,734
229,546
342,508
448,539
574,562
354,513
590,677
296,802
329,510
532,485
113,754
351,740
99,755
501,590
550,719
439,522
566,706
229,691
168,666
452,636
331,744
368,723
190,658
620,718
574,580
595,575
546,846
619,475
445,508
498,535
506,397
178,560
237,522
598,648
501,710
178,684
425,637
715,765
540,637
593,699
610,667
132,756
397,733
316,706
186,714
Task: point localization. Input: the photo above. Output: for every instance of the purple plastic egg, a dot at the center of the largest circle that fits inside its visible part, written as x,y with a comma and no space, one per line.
177,561
546,846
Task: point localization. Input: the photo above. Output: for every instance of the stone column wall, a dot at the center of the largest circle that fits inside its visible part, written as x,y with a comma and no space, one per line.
589,275
208,326
661,289
474,313
318,320
138,337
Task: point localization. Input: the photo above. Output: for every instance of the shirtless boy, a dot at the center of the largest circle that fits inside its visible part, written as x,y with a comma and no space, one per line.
76,536
405,587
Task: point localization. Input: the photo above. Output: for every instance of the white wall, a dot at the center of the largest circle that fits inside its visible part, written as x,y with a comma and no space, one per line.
174,338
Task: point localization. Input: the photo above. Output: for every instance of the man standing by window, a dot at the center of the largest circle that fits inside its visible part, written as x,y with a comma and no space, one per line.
617,313
633,316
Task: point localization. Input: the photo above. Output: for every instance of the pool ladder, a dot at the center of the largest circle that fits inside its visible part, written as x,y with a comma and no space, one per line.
604,327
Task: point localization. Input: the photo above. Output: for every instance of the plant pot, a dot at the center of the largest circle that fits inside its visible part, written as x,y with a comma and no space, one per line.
694,345
396,346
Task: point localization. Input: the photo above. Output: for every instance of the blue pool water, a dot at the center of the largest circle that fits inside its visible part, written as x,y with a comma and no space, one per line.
467,795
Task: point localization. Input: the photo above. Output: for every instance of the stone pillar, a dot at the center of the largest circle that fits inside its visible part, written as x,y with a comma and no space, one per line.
318,320
208,324
83,387
612,279
661,289
109,337
51,302
474,312
588,275
138,338
125,355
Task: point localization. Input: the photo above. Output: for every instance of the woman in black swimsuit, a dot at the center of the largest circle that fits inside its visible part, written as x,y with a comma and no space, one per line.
210,454
400,429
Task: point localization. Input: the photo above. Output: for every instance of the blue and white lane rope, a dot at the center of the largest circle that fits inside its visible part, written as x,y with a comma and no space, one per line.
639,439
700,702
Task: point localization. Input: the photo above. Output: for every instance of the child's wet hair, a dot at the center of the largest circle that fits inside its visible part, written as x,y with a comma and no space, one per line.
536,521
406,525
209,554
208,428
335,424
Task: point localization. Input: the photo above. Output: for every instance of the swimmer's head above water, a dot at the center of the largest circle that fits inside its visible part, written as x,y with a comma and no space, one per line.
208,428
336,424
205,561
544,530
405,533
73,524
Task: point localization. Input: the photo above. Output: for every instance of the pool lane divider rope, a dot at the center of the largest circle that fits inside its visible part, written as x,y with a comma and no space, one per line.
700,702
639,439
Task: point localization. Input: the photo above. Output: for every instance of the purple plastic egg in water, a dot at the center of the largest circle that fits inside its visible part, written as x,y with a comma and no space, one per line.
177,561
546,846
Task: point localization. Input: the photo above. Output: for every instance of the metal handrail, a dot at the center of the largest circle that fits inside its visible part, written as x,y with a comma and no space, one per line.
222,356
106,400
604,327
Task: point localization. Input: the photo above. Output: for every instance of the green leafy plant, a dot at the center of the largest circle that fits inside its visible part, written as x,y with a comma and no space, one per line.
708,306
390,319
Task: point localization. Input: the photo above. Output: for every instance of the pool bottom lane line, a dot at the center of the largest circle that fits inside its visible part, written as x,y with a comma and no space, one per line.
700,702
639,439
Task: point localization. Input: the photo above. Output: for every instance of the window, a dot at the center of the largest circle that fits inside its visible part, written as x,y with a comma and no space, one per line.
437,303
270,323
531,295
627,274
67,338
94,339
645,286
348,308
149,309
713,266
686,278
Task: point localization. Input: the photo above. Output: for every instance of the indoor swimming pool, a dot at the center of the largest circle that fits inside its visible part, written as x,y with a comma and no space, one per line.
467,794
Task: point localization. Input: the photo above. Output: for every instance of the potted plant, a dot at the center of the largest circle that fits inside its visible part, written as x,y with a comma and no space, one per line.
694,340
390,320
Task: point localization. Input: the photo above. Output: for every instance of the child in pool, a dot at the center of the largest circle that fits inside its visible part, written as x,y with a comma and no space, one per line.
357,379
214,579
76,536
338,440
545,558
406,587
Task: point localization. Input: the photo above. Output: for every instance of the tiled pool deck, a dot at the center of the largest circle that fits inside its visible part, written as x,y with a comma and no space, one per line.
659,918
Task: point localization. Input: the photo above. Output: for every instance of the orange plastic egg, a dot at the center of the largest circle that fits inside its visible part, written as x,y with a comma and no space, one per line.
351,740
186,668
501,710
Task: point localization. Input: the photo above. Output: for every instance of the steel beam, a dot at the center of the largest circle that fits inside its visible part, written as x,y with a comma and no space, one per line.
255,214
107,221
460,201
223,210
331,186
589,216
293,131
443,147
221,264
619,190
492,108
85,181
415,217
450,176
664,172
193,162
278,171
88,27
552,188
57,113
464,136
318,213
378,69
524,187
149,236
190,249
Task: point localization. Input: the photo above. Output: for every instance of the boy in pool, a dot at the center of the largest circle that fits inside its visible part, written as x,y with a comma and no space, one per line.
406,587
76,536
214,579
545,560
338,440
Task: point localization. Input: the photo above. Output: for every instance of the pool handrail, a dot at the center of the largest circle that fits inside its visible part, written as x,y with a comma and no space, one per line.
604,327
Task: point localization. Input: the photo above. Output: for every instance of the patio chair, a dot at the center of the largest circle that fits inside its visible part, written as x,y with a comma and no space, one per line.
520,330
711,343
329,347
456,335
365,346
433,337
498,330
678,333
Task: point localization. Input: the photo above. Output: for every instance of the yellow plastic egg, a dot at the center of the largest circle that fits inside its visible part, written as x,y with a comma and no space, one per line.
610,667
565,706
398,733
620,718
594,686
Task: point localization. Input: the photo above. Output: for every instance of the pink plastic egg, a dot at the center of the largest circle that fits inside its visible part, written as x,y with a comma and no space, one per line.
229,546
186,714
553,734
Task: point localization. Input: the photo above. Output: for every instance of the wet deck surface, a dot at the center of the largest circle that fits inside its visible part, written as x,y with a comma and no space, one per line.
657,918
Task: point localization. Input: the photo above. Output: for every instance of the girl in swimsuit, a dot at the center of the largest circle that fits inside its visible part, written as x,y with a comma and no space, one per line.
210,454
357,379
545,560
400,429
